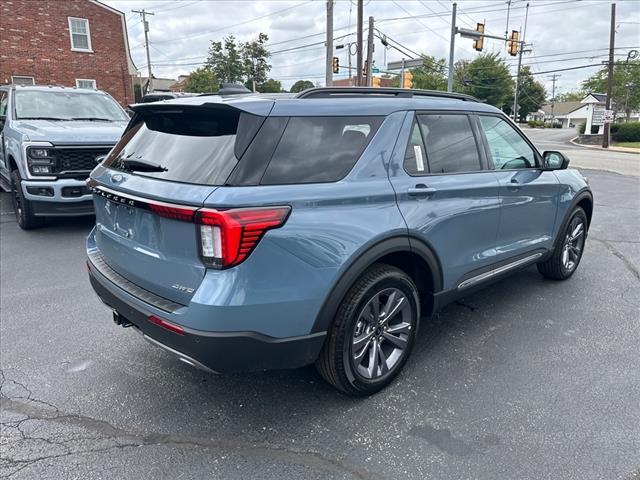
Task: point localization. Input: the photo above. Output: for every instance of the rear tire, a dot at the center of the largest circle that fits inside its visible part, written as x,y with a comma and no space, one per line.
568,252
21,206
373,332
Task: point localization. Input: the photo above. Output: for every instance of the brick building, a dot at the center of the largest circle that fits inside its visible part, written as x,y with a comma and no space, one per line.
79,43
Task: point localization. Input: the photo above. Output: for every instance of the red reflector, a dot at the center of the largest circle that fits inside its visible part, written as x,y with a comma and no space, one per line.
167,325
177,213
240,231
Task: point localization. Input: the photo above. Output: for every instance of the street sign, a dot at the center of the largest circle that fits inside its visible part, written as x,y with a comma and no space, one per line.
375,70
608,116
407,64
598,115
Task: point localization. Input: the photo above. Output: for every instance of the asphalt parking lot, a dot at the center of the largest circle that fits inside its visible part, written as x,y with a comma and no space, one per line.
528,379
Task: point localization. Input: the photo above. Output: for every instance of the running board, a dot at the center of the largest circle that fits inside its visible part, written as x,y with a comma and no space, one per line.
497,271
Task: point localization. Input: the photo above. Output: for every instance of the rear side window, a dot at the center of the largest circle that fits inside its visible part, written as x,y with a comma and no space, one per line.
190,147
319,149
450,143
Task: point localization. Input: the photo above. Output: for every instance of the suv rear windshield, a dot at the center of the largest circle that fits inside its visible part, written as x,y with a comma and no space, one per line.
197,147
204,147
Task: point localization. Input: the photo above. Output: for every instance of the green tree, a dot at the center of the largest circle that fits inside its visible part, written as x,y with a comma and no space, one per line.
225,60
432,75
301,85
201,80
531,95
270,86
569,96
487,77
626,85
255,60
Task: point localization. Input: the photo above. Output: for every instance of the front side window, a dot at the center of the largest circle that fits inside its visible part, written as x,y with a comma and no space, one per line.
319,149
508,149
450,143
85,83
4,103
67,105
80,36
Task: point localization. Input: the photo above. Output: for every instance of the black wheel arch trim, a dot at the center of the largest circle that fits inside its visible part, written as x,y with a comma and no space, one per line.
401,243
585,193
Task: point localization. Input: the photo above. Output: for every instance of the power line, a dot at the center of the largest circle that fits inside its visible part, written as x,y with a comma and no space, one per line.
227,27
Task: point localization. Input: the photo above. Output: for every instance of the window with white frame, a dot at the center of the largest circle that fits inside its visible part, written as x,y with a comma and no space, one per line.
80,35
85,83
22,80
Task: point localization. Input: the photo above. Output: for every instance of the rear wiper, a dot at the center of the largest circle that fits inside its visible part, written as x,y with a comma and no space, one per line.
135,165
42,118
92,119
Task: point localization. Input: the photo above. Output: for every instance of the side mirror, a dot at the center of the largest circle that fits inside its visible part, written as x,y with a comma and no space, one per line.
552,160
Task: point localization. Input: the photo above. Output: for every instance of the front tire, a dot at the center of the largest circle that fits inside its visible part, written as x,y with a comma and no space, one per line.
373,332
22,206
568,252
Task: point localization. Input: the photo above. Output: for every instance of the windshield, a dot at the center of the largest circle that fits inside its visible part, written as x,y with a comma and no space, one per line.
57,105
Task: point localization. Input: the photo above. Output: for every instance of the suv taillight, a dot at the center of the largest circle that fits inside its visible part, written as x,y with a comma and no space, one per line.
227,237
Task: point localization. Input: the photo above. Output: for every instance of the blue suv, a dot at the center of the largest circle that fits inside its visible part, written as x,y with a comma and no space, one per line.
249,233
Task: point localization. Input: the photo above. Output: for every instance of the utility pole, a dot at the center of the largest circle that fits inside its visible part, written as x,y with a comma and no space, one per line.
369,51
554,77
329,63
359,49
143,13
451,47
515,97
506,30
612,41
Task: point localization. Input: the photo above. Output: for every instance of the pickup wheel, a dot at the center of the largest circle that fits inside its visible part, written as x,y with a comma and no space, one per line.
373,332
21,206
568,252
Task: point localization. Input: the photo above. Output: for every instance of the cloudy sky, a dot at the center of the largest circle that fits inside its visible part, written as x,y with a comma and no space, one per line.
563,33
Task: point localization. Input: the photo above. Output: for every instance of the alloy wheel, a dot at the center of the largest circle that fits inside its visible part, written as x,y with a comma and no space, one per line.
573,244
381,333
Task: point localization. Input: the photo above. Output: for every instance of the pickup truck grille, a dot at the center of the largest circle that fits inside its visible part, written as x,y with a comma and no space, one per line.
72,161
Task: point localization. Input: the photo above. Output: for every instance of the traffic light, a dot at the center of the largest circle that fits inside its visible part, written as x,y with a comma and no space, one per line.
479,42
407,79
336,64
365,69
513,42
375,82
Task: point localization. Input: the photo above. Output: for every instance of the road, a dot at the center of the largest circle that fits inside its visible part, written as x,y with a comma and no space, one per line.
584,157
528,379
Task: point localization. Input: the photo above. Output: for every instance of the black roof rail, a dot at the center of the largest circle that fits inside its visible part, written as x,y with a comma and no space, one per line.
351,92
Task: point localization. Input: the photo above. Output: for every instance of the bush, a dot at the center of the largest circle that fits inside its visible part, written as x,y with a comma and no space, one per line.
626,132
582,127
535,123
556,125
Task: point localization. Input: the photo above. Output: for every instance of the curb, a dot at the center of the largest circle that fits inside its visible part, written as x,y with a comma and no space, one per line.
610,149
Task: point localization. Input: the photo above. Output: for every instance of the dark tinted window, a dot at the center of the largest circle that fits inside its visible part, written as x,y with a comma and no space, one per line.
450,143
415,159
319,149
192,147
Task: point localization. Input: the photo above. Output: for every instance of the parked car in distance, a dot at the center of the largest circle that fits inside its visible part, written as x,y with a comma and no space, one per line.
50,140
252,233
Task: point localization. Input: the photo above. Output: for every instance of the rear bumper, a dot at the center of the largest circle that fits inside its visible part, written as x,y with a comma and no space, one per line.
221,352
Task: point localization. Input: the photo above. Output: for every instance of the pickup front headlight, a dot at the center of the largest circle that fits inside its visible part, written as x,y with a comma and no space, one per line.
41,160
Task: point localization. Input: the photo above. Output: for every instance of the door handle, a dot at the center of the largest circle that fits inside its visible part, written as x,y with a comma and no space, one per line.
420,190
